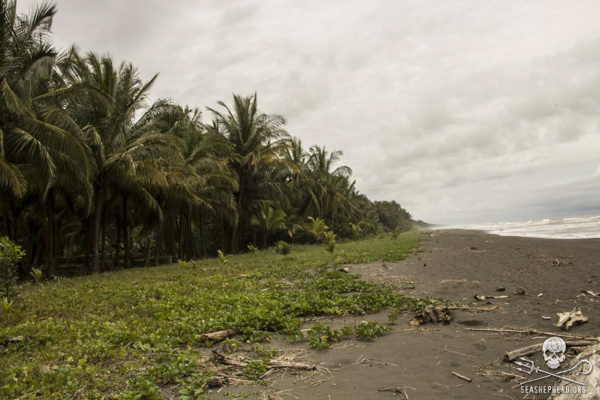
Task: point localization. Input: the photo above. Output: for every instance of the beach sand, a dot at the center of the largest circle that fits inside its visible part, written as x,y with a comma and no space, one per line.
454,265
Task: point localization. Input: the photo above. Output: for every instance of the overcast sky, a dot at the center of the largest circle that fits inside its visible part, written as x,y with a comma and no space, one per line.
462,111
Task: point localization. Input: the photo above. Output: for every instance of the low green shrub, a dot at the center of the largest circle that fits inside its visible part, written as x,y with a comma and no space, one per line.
283,247
10,255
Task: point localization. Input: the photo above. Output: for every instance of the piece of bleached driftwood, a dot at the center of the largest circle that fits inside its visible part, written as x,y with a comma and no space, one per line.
529,331
464,378
474,309
534,348
222,359
591,381
219,335
567,319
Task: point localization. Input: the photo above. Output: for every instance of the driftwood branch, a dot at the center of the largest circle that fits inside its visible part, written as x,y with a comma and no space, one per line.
464,378
529,331
534,348
219,335
569,318
221,358
474,309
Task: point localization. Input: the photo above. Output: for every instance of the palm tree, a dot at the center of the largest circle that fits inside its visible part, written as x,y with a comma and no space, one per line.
41,147
130,155
268,220
317,228
257,139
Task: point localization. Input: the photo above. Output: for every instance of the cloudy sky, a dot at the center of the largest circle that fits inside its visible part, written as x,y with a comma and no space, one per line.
462,111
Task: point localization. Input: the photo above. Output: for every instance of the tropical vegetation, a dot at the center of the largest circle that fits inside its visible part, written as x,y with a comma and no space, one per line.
94,176
137,333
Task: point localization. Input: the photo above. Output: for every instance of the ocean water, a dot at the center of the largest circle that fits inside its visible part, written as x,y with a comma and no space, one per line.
559,228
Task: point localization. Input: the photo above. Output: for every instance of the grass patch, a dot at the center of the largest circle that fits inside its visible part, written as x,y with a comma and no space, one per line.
134,333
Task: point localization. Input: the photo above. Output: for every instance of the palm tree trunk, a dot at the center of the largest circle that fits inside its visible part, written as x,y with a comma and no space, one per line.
189,239
148,248
126,238
53,235
158,246
49,233
118,244
8,227
222,234
181,234
234,234
96,232
103,241
201,223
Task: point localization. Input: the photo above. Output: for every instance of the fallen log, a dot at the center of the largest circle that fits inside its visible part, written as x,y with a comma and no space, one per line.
534,348
222,359
219,335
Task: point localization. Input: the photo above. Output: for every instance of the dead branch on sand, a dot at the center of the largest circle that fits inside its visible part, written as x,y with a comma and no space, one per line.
569,318
525,351
399,390
464,378
222,359
474,309
530,331
219,335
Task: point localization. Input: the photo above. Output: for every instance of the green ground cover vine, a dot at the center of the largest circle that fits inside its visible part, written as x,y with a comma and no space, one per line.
138,331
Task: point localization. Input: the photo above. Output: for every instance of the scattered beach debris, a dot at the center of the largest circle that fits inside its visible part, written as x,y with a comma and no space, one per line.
432,314
593,294
222,359
219,335
567,319
472,248
217,381
530,331
464,378
474,309
554,261
520,291
540,295
534,348
592,355
399,390
500,289
481,297
15,339
546,318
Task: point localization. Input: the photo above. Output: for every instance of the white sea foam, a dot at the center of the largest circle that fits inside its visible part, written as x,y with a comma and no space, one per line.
559,228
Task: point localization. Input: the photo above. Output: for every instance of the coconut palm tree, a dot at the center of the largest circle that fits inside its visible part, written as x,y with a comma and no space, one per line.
269,220
41,147
258,140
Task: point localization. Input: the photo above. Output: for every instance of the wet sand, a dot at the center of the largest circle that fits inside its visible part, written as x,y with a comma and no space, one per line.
454,265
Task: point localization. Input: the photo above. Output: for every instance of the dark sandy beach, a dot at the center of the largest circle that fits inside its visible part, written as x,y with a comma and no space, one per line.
455,265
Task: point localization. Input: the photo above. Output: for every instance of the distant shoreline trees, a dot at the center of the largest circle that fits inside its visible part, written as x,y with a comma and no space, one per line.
92,174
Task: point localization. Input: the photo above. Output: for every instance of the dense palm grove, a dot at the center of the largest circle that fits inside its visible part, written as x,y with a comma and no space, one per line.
92,174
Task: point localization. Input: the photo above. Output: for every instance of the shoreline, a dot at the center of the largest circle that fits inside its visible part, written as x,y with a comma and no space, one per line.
456,265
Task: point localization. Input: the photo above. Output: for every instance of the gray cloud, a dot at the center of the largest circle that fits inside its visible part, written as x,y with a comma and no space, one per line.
462,111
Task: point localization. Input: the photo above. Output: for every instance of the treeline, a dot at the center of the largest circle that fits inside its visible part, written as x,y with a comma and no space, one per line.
92,174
